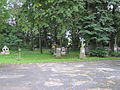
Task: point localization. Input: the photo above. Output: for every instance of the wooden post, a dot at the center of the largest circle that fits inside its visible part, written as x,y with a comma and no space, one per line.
19,54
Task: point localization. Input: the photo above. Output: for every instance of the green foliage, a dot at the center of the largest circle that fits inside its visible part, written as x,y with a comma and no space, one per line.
4,15
9,37
115,54
99,24
11,41
39,19
98,52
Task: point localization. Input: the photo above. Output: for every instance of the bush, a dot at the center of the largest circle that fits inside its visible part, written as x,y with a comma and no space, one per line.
98,52
115,54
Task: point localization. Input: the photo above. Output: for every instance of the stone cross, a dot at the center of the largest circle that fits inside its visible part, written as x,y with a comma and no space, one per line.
82,49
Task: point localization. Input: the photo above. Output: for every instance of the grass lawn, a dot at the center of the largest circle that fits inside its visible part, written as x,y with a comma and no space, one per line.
36,57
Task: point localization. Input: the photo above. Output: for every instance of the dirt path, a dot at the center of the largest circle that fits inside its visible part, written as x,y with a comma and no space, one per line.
97,75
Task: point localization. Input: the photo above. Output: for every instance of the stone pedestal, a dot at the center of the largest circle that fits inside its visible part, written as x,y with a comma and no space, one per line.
82,53
115,48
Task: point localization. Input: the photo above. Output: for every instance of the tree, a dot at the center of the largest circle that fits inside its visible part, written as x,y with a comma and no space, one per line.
98,23
60,16
4,15
94,20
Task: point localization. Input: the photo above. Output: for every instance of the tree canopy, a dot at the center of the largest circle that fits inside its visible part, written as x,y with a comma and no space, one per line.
42,22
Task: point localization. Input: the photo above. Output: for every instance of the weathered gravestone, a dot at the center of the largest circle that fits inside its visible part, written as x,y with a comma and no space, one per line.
5,50
82,49
63,51
58,52
35,47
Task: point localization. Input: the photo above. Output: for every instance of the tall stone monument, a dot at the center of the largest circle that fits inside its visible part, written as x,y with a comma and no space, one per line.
115,45
82,49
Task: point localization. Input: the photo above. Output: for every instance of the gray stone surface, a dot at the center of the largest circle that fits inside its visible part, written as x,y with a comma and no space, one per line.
97,75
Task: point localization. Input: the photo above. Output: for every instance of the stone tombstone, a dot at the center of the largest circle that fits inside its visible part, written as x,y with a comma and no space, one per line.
58,52
63,51
35,47
82,49
5,50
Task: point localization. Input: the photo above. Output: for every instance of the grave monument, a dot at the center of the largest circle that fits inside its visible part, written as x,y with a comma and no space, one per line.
5,50
82,49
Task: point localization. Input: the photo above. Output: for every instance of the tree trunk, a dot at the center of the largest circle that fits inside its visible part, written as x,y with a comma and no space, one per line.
61,42
112,42
45,38
32,40
73,41
55,35
40,42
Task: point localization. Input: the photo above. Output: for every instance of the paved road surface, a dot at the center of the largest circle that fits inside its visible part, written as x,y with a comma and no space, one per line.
96,75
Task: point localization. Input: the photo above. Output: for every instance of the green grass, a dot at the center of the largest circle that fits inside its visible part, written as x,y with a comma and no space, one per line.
36,57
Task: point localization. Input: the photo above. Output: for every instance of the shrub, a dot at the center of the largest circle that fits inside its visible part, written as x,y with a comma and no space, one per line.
98,52
115,54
